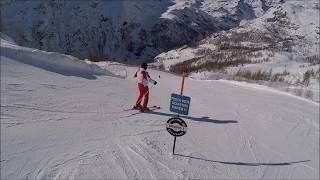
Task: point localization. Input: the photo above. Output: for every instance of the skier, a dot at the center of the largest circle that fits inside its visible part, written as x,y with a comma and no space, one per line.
143,80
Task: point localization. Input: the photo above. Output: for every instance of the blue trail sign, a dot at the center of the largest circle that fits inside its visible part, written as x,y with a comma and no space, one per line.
179,104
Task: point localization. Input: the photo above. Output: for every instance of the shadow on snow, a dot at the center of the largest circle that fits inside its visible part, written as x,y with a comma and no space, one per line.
245,164
201,119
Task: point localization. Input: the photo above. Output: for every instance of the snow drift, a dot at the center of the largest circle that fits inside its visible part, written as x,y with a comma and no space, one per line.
51,61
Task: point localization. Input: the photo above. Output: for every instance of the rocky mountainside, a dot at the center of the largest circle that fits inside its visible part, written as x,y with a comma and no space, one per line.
122,30
278,49
292,27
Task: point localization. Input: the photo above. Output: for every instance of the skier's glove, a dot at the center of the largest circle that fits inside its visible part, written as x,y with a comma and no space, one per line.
152,81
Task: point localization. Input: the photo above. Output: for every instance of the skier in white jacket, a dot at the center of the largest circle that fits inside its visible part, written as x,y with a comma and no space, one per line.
143,80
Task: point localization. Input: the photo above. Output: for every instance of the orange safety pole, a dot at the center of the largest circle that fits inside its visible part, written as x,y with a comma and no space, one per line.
181,93
182,83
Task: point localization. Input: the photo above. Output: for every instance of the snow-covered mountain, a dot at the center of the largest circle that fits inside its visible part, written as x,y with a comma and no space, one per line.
122,29
62,118
282,45
292,27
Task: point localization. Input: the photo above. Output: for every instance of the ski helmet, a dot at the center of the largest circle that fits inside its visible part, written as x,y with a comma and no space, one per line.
144,65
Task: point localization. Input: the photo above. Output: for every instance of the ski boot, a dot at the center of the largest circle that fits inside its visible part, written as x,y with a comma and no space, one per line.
137,107
145,109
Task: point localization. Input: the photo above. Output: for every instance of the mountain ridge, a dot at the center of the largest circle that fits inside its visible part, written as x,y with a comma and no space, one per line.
122,30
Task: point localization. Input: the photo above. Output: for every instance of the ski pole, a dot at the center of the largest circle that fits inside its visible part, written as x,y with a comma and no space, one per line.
145,94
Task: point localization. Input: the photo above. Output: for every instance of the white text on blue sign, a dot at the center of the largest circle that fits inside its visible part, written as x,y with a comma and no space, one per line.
180,104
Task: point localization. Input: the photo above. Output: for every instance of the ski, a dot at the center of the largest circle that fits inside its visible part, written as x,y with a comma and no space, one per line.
156,107
152,108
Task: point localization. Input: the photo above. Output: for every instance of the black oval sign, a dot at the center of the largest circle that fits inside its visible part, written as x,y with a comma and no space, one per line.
176,126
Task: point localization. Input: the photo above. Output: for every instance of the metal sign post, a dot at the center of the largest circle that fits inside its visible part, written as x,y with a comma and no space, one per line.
180,105
176,127
174,144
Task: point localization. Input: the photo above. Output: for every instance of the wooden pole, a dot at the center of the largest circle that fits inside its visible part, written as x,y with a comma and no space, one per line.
181,93
182,83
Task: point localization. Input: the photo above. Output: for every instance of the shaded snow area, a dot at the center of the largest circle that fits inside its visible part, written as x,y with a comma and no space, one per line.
56,123
51,61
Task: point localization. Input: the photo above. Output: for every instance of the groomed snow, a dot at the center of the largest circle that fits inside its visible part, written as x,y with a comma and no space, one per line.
60,126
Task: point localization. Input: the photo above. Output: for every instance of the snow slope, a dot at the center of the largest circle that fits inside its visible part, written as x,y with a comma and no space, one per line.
56,126
51,61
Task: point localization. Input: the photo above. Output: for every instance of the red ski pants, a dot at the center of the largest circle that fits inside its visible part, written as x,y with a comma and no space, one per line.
143,92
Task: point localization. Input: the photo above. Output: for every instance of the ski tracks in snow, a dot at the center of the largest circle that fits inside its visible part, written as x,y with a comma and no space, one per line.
108,162
253,145
127,159
87,138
